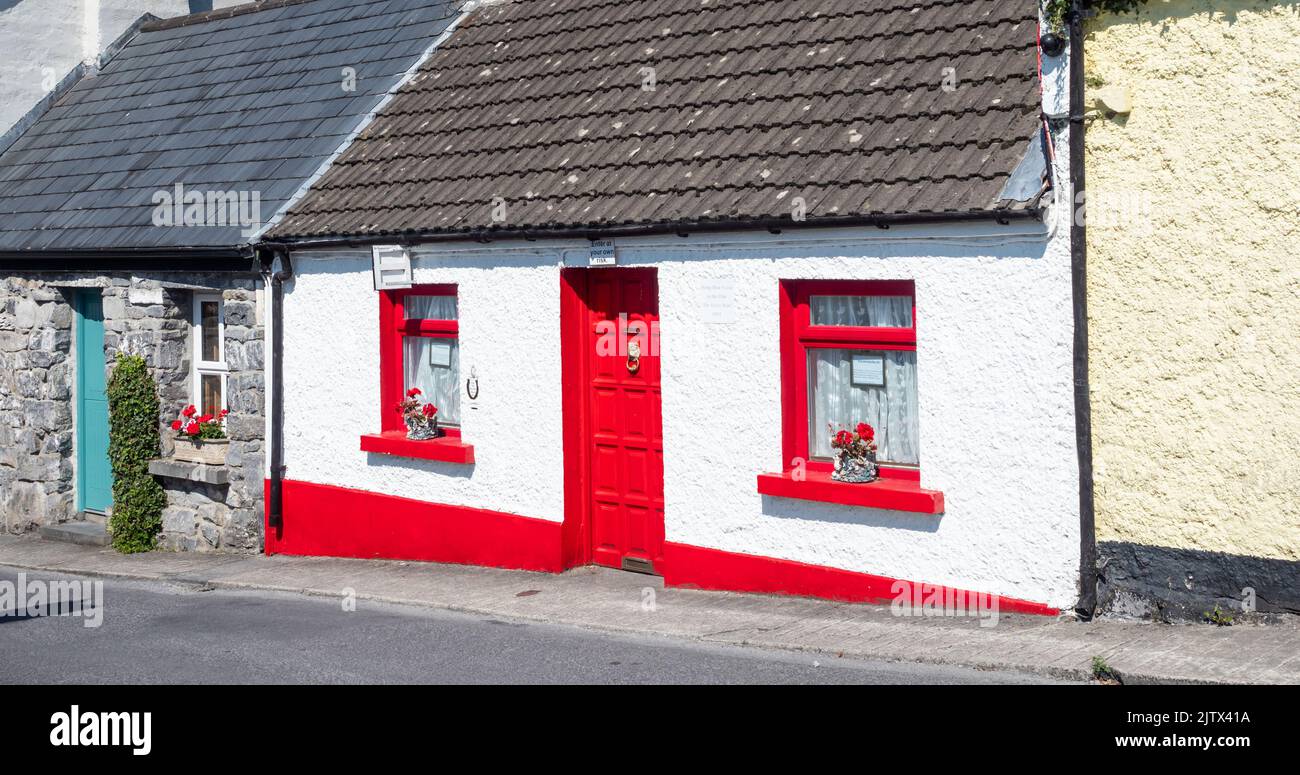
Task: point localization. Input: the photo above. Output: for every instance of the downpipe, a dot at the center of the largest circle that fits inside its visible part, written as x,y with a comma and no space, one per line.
277,277
1087,605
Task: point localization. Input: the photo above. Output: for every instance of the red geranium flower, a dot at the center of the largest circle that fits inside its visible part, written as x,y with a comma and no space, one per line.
192,429
176,425
429,410
205,418
190,411
224,412
413,392
866,431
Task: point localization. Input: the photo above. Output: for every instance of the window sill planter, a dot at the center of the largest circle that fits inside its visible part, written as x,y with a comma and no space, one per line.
885,493
447,449
211,452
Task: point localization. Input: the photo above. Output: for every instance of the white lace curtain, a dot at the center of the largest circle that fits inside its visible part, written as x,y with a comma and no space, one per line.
438,384
886,311
432,364
429,307
835,401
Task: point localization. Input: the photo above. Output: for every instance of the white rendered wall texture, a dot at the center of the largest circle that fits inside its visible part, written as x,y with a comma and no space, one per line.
994,360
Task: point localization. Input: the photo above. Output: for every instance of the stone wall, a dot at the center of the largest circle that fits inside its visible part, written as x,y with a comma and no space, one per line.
149,316
36,378
225,516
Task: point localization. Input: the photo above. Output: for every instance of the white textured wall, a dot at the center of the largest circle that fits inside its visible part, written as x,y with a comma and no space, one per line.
509,322
994,361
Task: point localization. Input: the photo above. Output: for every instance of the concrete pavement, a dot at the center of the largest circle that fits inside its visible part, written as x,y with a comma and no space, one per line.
622,602
186,635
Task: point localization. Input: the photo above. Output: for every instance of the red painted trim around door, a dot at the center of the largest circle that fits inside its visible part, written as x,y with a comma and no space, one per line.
576,531
701,568
328,521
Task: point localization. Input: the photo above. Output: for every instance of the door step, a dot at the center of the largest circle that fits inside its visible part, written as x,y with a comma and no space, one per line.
84,533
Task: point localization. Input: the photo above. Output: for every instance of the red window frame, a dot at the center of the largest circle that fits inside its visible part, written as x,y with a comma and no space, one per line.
798,335
393,329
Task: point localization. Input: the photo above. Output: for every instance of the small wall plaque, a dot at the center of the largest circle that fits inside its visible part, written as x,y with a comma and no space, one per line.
603,253
868,370
440,353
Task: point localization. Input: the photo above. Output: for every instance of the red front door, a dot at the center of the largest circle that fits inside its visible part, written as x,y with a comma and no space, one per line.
624,427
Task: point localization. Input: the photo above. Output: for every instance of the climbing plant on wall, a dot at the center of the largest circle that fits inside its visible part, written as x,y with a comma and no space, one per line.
1055,11
138,499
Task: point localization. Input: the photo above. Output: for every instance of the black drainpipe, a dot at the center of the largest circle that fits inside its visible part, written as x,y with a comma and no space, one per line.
1079,282
274,509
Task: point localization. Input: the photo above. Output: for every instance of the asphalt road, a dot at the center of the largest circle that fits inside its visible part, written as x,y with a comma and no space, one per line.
157,633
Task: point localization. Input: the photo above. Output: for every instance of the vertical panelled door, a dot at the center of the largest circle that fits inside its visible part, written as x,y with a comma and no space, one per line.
626,426
94,474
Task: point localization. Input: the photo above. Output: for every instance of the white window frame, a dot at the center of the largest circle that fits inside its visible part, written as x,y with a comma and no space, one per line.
202,367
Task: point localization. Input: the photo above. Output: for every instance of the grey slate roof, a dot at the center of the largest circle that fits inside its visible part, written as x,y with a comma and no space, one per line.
542,105
242,99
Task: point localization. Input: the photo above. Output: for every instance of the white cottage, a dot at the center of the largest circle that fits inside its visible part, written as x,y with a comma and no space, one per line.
647,259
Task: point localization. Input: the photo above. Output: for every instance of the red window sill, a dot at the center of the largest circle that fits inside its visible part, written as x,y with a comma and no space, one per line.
448,449
885,493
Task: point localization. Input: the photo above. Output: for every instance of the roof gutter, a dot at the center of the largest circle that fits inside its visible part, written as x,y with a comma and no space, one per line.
775,225
238,260
1087,605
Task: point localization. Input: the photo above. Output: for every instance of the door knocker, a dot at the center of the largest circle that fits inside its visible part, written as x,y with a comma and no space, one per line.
633,356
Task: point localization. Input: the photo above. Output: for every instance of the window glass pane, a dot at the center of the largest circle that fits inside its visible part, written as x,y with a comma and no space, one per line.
877,311
891,409
433,365
210,394
430,307
210,329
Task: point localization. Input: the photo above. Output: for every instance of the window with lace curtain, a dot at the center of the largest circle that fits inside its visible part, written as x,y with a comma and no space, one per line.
849,356
420,332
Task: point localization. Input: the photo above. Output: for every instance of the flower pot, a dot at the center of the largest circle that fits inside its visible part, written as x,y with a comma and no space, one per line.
855,469
210,452
422,428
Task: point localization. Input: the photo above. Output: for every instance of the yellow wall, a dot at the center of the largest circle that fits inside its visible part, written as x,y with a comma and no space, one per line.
1194,277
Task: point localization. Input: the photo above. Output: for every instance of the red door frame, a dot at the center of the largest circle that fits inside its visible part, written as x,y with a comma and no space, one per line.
575,532
575,371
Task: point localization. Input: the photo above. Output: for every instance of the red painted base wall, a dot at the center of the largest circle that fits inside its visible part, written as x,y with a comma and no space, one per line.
694,566
330,521
326,521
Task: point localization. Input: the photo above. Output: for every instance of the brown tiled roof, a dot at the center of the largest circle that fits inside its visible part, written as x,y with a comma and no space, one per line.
542,106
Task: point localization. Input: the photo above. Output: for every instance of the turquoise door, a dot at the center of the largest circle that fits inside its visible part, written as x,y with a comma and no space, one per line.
94,475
